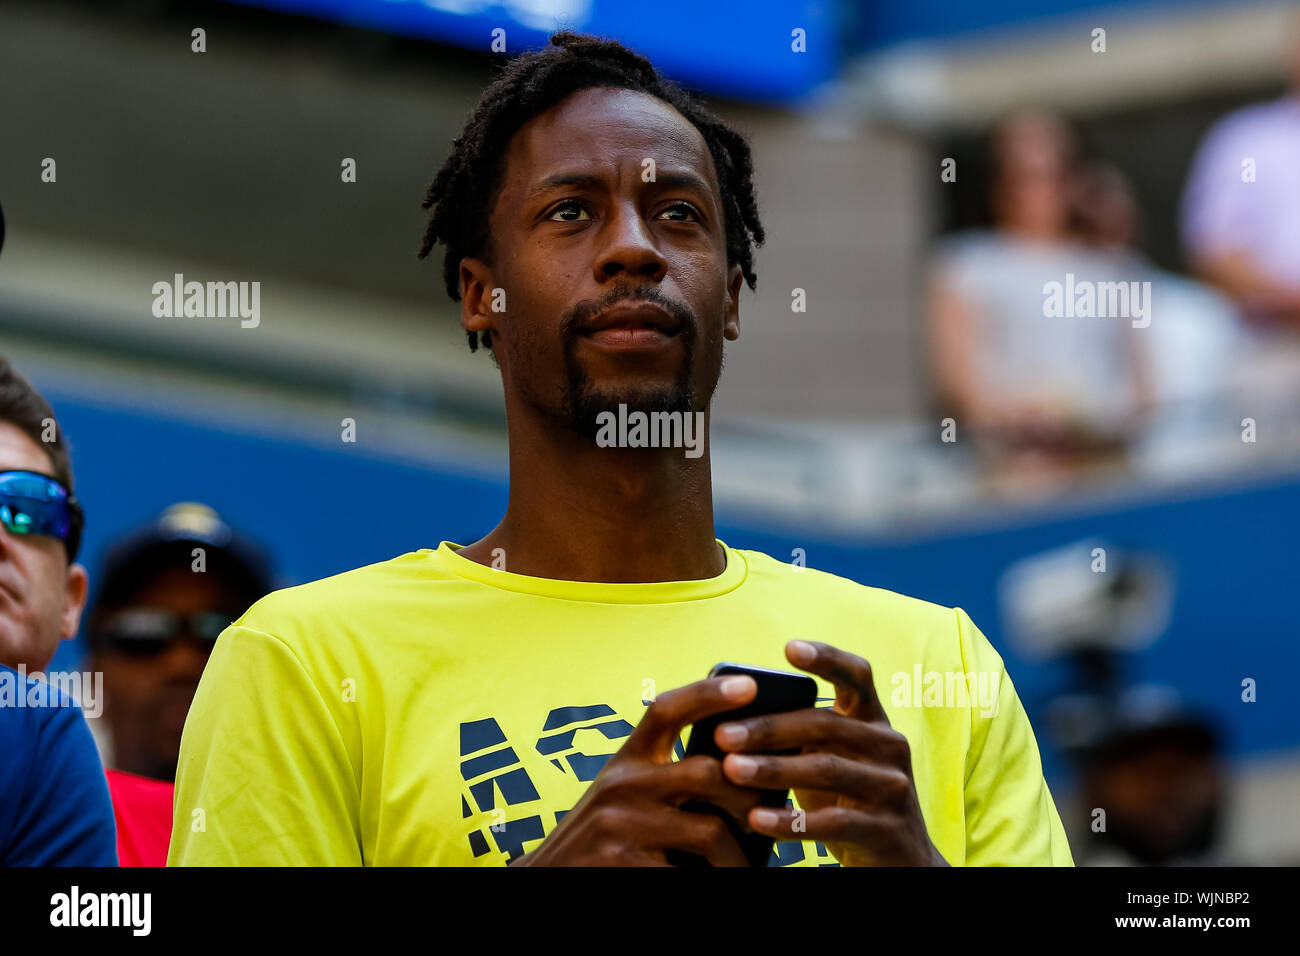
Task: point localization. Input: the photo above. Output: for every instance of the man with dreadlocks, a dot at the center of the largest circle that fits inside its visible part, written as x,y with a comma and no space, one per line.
521,699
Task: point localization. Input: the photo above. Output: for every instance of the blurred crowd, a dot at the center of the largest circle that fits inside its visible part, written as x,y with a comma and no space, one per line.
1065,352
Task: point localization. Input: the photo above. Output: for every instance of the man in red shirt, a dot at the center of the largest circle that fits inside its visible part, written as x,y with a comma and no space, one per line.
167,592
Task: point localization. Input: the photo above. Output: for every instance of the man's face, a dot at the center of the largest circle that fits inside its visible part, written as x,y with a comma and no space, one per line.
1162,801
148,689
616,289
41,596
1032,188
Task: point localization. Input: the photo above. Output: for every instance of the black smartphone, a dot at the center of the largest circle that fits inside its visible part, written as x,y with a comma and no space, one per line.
778,692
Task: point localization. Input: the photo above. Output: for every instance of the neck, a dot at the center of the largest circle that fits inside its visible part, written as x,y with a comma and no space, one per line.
580,512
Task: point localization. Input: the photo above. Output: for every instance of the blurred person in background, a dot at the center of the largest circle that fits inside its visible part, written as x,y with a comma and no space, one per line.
1241,230
167,591
54,804
1047,399
1193,349
1241,210
1154,768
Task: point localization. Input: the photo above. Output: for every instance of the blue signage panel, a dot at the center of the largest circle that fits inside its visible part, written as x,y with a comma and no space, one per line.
873,24
772,50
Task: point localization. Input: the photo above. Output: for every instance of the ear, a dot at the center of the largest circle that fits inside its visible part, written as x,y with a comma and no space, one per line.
74,601
475,288
731,314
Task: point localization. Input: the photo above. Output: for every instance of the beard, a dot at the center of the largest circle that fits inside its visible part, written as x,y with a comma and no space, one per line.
1197,839
584,400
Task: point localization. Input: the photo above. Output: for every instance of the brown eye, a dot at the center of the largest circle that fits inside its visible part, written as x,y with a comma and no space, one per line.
565,208
682,208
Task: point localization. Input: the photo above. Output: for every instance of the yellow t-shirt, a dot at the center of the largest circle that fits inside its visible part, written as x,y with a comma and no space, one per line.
430,710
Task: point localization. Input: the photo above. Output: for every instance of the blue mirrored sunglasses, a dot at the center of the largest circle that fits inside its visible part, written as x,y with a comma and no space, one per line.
32,503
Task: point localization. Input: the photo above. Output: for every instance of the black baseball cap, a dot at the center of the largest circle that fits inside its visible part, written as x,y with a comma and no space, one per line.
168,541
1095,727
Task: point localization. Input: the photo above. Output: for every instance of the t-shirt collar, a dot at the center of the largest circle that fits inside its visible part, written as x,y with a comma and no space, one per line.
597,592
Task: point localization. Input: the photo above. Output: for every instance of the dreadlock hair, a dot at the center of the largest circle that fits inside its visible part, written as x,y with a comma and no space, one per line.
462,195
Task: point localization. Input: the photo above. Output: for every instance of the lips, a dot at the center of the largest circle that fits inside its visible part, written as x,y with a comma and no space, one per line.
633,317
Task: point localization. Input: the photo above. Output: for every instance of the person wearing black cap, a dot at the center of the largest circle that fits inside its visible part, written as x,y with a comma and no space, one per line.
1152,764
167,591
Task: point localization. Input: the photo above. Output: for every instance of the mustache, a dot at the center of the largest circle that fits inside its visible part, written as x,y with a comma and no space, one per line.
587,309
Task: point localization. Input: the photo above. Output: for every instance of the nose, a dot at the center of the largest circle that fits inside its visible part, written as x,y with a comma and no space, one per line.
629,249
185,657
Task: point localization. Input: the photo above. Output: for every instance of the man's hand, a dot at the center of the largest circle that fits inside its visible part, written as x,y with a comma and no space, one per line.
853,778
630,814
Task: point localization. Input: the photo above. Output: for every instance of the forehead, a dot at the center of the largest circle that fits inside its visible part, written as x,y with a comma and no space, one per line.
604,129
19,453
180,589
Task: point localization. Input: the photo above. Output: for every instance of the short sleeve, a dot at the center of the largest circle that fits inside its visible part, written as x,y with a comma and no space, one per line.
1216,206
1011,819
264,777
66,816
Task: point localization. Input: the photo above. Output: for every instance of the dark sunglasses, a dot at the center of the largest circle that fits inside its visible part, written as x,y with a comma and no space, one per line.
32,503
146,631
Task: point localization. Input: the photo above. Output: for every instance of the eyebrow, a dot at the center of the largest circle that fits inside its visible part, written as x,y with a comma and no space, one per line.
673,178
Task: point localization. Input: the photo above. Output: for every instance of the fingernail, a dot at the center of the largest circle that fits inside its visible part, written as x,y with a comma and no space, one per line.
733,734
736,686
743,767
803,652
765,818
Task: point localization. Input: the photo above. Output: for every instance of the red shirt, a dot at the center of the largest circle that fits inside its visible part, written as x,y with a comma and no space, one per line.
143,809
